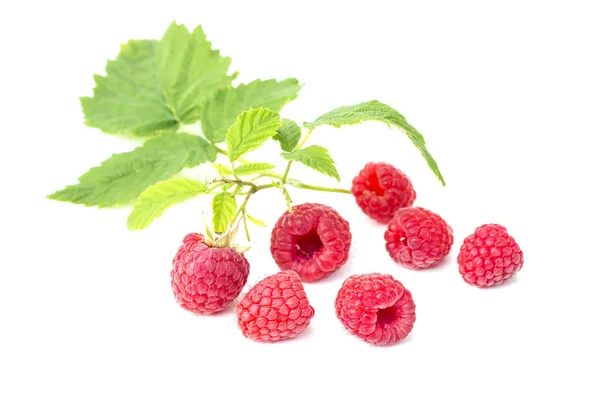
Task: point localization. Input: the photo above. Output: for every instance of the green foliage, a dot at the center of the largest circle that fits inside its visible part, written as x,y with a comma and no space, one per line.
315,157
224,209
157,198
250,130
288,135
154,86
218,115
252,168
256,221
376,111
122,177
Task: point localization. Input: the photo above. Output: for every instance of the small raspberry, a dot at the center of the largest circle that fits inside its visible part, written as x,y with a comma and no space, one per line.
380,189
275,309
375,308
489,256
418,238
313,240
207,279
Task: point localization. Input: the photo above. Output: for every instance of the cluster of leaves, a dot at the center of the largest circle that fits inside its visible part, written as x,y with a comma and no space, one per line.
156,89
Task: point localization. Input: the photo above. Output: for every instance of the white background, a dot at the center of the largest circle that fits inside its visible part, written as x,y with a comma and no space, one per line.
507,96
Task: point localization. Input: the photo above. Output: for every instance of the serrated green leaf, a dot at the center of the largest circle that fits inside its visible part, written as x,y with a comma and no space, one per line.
122,177
157,198
256,221
154,86
377,111
315,157
223,170
224,208
288,134
252,168
218,115
250,130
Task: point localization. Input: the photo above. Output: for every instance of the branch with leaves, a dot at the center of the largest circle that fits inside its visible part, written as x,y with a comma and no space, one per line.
162,89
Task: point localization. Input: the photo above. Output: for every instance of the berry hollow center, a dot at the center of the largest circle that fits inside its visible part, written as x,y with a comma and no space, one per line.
307,245
374,186
386,315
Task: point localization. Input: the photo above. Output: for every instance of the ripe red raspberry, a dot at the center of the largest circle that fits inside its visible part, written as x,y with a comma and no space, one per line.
313,240
275,309
489,256
380,189
207,279
375,308
418,238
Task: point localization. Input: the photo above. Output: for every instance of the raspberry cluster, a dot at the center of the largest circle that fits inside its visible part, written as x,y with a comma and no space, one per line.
311,241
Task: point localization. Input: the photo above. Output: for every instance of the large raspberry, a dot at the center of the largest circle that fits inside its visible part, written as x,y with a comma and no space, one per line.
489,256
418,238
313,240
276,308
207,279
375,308
380,189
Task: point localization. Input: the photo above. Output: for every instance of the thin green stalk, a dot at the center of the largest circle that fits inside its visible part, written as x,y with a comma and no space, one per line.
310,131
287,171
301,185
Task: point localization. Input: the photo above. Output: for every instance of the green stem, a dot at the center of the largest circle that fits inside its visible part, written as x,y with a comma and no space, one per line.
310,131
301,185
287,171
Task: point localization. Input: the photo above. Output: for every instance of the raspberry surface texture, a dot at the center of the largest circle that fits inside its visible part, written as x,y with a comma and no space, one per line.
275,309
489,256
381,189
205,279
313,240
418,238
375,308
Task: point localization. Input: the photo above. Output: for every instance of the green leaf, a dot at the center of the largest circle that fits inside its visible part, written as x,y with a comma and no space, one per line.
288,135
157,198
256,221
252,168
154,86
315,157
223,170
122,177
218,115
224,209
250,130
376,111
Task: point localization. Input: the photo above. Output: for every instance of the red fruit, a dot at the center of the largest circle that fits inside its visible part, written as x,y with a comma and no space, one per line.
276,308
313,240
489,257
207,279
381,189
375,308
418,238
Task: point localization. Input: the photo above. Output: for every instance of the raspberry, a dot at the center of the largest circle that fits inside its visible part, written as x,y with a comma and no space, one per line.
275,309
313,240
207,279
418,238
489,256
380,189
375,308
